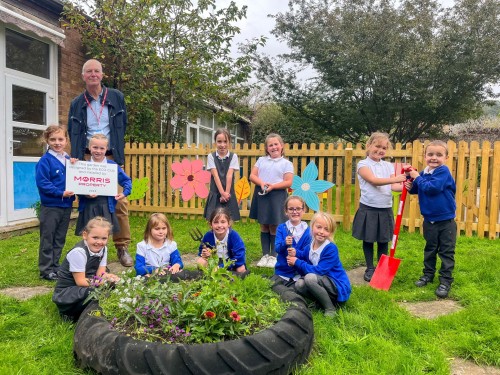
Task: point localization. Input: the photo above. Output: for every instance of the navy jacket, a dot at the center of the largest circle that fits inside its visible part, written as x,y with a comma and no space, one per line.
51,182
77,125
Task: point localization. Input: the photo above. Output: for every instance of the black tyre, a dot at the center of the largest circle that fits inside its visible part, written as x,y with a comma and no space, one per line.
276,350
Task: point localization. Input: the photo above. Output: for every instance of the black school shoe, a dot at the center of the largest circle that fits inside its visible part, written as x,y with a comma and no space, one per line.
423,281
368,274
50,277
443,290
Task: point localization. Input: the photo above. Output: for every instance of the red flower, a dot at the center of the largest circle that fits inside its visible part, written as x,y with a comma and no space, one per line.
235,316
209,314
235,300
196,294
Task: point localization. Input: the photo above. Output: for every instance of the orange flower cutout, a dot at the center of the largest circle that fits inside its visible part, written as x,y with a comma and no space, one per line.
191,178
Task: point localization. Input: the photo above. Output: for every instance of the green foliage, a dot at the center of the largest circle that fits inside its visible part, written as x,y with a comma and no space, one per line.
168,57
271,118
406,67
36,206
217,307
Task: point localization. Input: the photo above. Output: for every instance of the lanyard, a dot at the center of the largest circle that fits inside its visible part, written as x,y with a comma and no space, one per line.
98,118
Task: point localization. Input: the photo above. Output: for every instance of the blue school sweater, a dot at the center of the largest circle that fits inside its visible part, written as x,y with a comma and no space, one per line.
50,177
329,265
282,268
436,194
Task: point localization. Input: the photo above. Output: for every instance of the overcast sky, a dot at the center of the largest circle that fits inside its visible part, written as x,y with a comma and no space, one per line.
258,23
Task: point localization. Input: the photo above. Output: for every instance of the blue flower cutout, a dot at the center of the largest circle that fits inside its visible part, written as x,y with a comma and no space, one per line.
308,187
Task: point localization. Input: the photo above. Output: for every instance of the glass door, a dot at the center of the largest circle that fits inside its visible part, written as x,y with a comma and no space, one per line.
28,87
30,108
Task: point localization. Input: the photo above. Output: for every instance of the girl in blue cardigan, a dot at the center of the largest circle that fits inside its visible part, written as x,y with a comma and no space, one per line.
293,233
222,241
323,277
158,253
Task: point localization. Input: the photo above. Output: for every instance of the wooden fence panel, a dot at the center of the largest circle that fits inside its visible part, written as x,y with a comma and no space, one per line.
473,166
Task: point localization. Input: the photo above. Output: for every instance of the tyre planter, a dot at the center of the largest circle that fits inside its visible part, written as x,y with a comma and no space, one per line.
277,349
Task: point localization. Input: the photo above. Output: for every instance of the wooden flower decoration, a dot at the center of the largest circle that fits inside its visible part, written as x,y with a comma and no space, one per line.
190,178
308,187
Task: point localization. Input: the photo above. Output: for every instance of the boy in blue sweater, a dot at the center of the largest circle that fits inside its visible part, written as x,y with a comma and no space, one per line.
56,201
436,194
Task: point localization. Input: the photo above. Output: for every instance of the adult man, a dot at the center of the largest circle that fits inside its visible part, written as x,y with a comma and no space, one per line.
100,109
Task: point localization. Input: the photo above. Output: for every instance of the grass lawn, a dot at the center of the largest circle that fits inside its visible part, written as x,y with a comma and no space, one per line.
372,334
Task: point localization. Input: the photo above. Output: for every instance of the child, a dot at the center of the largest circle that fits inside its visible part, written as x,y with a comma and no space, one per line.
272,175
294,233
374,220
436,195
90,206
323,277
222,164
158,250
223,240
86,261
56,201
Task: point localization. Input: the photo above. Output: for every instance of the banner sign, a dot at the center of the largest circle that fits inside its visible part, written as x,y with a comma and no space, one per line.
88,178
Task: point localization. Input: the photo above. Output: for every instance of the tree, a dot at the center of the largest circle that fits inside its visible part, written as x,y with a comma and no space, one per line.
405,67
293,128
168,57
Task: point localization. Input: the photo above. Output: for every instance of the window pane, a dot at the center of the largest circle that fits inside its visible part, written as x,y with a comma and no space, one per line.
27,142
25,191
27,55
28,106
192,135
207,120
205,137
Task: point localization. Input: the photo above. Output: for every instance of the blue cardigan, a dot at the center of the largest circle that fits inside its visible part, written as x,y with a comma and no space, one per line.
282,268
141,265
123,180
329,265
235,247
50,177
436,194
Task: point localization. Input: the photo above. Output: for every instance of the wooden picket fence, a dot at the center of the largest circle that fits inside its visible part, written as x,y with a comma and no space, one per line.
476,169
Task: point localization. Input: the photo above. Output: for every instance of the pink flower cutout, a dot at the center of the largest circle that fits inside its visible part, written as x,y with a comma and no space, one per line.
191,178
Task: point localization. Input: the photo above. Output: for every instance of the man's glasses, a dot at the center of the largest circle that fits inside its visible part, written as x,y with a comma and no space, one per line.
294,209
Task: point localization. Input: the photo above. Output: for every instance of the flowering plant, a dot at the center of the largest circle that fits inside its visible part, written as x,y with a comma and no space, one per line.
216,307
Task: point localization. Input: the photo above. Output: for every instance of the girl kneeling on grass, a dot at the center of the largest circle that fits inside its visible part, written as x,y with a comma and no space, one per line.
323,277
158,252
224,241
83,268
294,233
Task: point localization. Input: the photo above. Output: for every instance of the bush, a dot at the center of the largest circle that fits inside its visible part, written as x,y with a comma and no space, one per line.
482,129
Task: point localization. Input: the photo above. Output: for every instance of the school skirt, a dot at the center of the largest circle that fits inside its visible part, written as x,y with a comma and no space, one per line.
268,209
372,224
97,206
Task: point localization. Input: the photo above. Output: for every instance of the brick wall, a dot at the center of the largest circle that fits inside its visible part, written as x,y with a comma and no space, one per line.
71,58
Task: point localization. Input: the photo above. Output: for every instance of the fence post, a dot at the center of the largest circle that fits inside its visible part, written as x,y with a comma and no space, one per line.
346,220
495,190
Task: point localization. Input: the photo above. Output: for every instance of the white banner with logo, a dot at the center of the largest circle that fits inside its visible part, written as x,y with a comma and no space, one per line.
88,178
